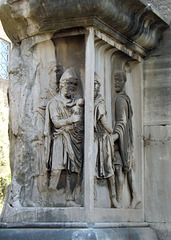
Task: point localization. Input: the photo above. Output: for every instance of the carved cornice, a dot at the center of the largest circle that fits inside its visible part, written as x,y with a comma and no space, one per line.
130,22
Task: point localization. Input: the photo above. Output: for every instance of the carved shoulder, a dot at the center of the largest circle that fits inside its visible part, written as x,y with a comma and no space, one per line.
121,103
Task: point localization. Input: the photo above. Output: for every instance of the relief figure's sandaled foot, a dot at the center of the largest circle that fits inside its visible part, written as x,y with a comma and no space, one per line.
115,203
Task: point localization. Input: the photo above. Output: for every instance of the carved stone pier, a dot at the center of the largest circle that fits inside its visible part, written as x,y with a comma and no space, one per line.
76,118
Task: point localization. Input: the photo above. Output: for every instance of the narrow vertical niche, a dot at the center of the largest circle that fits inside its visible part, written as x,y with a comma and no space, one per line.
65,112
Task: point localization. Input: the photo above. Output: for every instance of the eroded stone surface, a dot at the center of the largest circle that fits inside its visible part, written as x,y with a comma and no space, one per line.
79,234
40,45
32,17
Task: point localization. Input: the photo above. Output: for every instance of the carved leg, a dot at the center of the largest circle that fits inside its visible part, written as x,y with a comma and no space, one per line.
112,190
77,186
69,194
95,188
135,199
54,179
119,182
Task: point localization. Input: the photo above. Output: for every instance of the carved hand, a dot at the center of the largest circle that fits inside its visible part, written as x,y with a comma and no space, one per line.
126,169
75,118
115,136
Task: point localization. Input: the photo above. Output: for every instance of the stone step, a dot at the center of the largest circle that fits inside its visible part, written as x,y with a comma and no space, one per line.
54,232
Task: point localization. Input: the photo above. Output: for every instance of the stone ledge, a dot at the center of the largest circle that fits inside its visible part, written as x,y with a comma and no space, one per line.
75,225
78,234
55,215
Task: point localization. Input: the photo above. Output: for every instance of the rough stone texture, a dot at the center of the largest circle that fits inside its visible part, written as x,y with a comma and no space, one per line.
163,6
157,84
163,230
31,86
78,234
32,82
157,147
77,231
157,122
29,18
124,32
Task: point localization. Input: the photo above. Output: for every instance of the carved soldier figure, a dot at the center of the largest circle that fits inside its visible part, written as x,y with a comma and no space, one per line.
103,143
123,138
64,132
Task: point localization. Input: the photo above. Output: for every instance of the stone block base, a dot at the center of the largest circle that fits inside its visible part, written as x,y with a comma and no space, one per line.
95,232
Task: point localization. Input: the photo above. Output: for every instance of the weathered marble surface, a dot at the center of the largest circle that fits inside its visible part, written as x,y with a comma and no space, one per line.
32,85
157,122
157,171
29,18
116,40
157,84
163,6
79,234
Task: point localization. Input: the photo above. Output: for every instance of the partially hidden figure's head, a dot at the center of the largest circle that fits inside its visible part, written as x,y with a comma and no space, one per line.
68,83
97,85
120,80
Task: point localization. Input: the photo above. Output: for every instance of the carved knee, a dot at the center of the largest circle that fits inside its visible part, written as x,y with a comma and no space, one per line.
119,174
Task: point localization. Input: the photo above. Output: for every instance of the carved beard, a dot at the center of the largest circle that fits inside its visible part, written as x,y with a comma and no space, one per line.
67,94
96,93
119,88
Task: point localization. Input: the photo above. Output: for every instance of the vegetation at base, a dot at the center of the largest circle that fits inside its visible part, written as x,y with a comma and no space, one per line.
5,176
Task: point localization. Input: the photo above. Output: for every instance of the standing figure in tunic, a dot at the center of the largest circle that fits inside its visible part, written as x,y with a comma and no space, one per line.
64,133
103,144
123,140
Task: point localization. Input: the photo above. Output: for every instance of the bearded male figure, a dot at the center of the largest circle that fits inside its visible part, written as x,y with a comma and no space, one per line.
64,133
123,138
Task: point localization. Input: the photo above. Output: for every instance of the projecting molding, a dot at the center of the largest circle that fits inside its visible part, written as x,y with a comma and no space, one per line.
130,22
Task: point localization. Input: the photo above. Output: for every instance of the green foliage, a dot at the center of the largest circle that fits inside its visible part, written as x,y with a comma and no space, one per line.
4,150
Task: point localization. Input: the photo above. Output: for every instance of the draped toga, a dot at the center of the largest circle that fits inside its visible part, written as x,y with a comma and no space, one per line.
123,126
64,145
103,144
